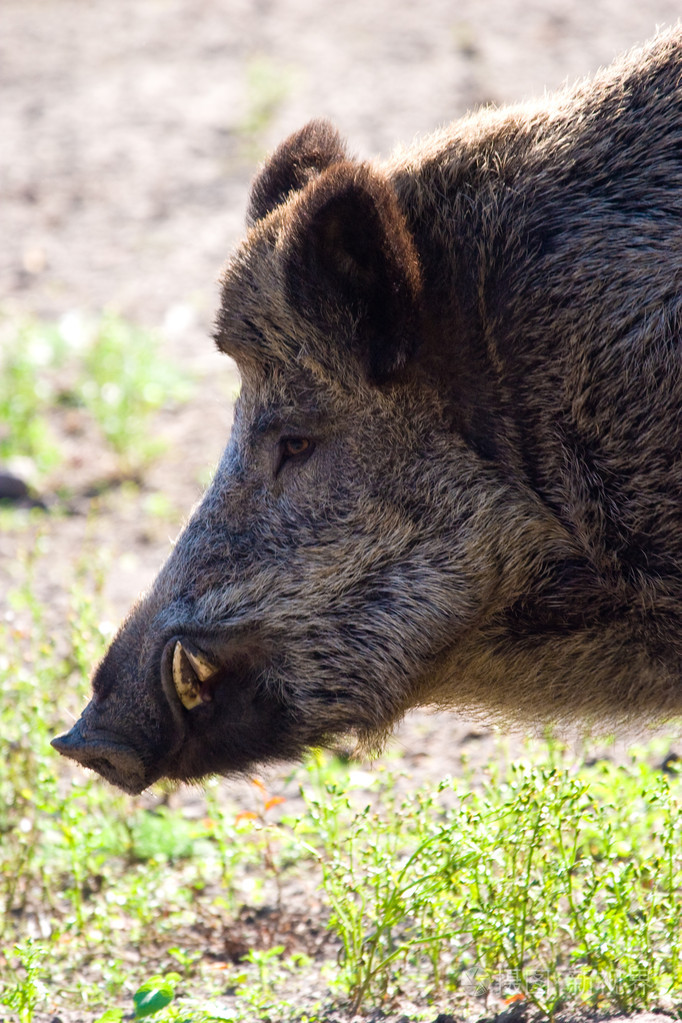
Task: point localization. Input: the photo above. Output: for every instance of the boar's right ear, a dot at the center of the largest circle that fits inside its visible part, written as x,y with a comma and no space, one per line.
294,163
352,267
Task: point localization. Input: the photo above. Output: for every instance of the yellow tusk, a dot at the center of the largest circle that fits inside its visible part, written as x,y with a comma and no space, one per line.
202,667
184,678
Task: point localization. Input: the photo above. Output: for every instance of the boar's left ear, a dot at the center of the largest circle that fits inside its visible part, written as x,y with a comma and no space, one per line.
295,162
350,258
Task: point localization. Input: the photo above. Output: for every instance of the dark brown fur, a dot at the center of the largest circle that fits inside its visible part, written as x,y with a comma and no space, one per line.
481,342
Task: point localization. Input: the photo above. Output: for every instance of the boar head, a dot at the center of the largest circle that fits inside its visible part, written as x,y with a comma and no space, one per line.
365,525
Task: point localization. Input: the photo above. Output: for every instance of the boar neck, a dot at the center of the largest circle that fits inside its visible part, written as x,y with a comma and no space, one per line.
558,397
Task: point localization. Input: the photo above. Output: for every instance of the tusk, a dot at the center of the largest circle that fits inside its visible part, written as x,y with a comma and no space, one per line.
185,679
202,667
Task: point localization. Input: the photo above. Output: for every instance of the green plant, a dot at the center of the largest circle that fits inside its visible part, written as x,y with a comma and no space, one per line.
541,887
29,991
79,375
155,994
267,833
259,992
30,356
123,380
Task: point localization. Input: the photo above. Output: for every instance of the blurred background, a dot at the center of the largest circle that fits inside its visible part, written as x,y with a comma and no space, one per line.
130,130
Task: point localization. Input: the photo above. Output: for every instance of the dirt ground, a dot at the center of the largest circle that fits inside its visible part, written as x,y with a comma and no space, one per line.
129,134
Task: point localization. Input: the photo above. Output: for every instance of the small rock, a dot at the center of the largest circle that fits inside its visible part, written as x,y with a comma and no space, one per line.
11,487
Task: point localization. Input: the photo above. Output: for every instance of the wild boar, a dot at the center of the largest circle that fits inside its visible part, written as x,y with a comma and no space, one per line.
455,472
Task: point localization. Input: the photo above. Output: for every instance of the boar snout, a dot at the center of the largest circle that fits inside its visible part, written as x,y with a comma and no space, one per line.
105,752
127,737
184,704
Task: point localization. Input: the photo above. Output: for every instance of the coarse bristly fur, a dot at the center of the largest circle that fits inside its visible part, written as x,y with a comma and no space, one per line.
455,472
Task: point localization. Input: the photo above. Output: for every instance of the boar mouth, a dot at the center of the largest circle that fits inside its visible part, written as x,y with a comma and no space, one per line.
227,716
194,713
104,752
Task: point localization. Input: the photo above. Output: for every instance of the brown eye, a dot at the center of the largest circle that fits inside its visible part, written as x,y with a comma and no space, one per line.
294,446
291,448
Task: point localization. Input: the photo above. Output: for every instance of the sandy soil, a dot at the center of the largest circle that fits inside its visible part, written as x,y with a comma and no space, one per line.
130,132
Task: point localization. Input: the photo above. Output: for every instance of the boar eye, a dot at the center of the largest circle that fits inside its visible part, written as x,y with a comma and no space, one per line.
294,446
291,448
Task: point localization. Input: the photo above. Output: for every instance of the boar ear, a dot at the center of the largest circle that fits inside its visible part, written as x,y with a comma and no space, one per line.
294,163
352,257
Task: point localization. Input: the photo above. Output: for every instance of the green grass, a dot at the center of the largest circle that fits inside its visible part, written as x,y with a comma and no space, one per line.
547,885
536,881
103,378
